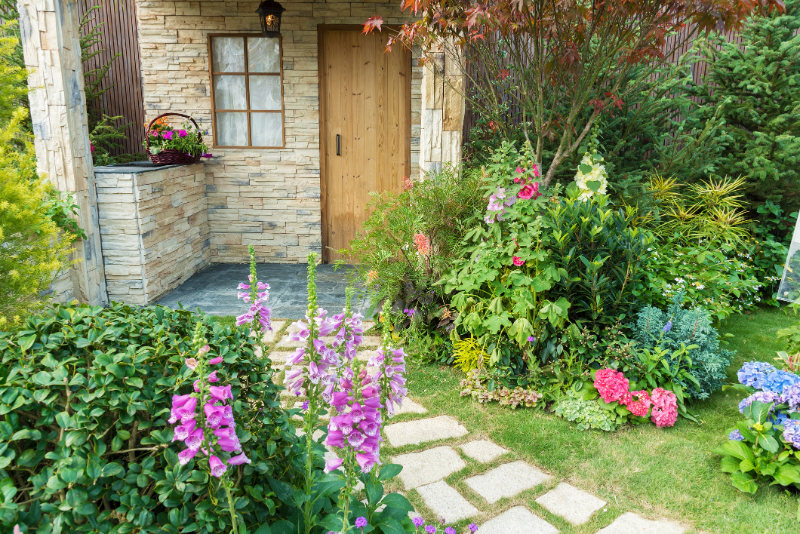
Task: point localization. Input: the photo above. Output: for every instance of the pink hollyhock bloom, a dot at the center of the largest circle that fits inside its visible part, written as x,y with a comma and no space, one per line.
191,363
182,431
217,467
526,192
220,393
195,439
665,408
638,402
536,170
185,455
215,361
519,170
333,464
239,460
518,261
204,349
611,384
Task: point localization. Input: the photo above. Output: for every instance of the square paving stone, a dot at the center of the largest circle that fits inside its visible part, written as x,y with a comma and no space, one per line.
446,502
631,523
409,406
483,450
517,520
371,341
422,430
574,505
506,481
426,467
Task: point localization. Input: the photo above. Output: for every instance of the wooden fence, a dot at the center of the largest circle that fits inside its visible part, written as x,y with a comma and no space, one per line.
698,69
125,96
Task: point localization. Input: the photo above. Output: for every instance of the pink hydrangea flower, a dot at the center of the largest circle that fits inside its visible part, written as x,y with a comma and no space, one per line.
612,385
665,408
638,402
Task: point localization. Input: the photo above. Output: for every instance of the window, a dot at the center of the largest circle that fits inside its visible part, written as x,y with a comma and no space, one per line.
246,91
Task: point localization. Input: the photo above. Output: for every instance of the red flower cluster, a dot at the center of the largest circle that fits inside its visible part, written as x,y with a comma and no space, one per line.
529,189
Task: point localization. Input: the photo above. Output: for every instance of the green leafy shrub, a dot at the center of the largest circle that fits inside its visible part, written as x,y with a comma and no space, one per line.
708,363
602,255
588,414
85,445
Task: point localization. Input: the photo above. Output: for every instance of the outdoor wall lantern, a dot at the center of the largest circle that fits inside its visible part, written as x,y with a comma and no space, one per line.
270,13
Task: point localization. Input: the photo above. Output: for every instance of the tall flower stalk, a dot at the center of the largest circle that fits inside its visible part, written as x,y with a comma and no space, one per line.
206,422
256,293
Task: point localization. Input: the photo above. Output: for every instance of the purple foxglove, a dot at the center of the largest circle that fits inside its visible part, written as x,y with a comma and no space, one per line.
214,415
239,460
246,318
244,296
389,408
185,455
327,394
184,413
355,438
319,345
292,375
212,377
333,464
356,413
215,361
182,431
339,399
335,439
195,439
220,393
365,461
243,286
229,444
217,467
370,392
261,286
372,402
326,327
296,357
314,373
370,428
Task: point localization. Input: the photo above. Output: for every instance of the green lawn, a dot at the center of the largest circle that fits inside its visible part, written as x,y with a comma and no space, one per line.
655,472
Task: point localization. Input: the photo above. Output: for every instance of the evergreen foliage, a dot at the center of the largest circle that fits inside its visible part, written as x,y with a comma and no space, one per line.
754,87
687,327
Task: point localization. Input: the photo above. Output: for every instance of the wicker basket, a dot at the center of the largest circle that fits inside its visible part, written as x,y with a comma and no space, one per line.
169,156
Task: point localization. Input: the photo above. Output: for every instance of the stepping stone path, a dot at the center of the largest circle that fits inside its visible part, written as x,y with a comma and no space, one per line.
425,470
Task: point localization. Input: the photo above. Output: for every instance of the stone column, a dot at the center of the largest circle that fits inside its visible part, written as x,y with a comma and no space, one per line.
442,110
51,44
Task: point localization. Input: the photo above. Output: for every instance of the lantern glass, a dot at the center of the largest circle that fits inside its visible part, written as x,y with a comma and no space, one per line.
270,12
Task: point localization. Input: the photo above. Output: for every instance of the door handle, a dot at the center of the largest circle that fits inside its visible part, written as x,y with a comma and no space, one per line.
338,145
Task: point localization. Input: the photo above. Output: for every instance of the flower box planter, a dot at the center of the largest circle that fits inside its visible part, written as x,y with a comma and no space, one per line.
169,156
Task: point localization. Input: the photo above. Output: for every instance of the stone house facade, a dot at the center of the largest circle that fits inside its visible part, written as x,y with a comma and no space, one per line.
271,198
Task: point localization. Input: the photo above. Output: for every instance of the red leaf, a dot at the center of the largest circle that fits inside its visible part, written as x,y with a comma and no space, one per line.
372,24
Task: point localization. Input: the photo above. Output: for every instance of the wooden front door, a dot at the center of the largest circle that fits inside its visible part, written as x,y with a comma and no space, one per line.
365,128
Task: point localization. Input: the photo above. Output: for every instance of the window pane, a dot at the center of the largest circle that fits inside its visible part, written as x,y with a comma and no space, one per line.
266,129
228,54
263,54
265,92
229,92
231,129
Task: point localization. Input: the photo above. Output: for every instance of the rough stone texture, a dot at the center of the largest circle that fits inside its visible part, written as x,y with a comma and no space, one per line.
422,430
518,520
50,38
631,523
484,451
426,467
154,228
574,505
268,198
506,481
371,341
446,502
269,337
409,406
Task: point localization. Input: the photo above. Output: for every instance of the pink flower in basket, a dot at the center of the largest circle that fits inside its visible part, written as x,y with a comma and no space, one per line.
182,133
167,135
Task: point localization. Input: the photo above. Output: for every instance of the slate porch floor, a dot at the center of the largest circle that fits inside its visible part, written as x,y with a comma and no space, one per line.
213,290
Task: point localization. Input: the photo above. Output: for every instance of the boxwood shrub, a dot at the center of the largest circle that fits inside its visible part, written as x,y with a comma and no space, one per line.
85,446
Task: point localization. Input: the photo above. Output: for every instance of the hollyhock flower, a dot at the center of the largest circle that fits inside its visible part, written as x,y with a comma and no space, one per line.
611,384
333,464
638,402
186,455
665,408
215,361
217,467
191,363
518,261
239,460
535,169
220,393
528,191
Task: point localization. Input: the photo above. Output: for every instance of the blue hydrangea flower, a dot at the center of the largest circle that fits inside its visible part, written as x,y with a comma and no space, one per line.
755,373
779,381
736,435
762,396
791,432
791,396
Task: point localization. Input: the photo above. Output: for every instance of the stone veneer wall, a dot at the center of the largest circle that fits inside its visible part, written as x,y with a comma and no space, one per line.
154,228
267,198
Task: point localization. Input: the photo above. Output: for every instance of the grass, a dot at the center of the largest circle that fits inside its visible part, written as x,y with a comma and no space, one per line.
667,473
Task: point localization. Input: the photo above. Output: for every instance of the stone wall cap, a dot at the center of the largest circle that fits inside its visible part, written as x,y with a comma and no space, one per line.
136,167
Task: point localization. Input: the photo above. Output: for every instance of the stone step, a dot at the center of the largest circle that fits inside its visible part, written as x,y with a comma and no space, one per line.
424,430
426,467
571,503
446,502
483,451
506,481
630,523
517,520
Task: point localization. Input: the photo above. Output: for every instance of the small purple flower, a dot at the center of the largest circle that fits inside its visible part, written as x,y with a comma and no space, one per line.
361,522
668,326
736,436
430,529
449,530
531,339
418,521
305,406
206,154
473,527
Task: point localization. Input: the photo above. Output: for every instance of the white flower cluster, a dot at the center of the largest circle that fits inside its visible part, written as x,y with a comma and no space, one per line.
597,174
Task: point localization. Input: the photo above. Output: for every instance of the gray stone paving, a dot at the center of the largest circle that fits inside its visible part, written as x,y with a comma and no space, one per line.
506,481
517,520
426,467
423,430
574,505
630,523
483,451
446,502
213,290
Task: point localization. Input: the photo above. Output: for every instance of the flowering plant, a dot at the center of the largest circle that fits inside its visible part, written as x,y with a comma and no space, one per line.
187,139
767,443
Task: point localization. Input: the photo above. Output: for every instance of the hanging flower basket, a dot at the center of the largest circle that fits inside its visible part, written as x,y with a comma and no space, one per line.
169,146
